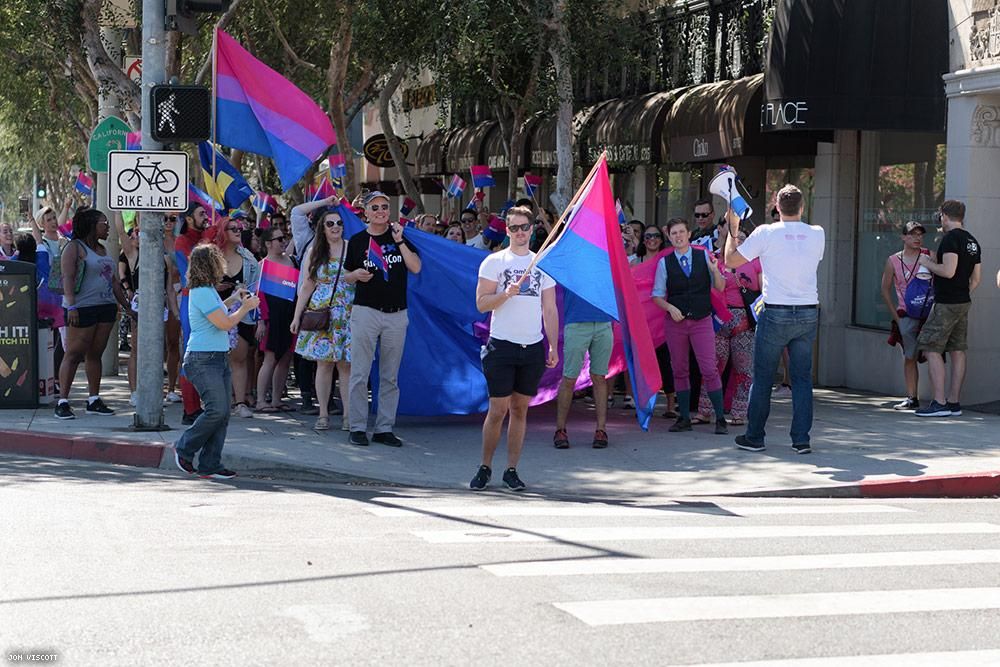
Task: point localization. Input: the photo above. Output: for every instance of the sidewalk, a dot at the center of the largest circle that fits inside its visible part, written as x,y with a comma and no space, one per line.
858,441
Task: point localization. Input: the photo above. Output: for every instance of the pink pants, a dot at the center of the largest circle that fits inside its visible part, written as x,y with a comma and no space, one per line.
700,335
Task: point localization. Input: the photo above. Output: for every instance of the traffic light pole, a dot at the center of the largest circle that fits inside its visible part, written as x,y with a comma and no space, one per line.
149,356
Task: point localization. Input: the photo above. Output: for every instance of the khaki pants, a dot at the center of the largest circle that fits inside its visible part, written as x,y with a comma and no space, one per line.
372,328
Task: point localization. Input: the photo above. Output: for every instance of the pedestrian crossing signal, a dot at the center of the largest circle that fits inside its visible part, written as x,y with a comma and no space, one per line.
181,113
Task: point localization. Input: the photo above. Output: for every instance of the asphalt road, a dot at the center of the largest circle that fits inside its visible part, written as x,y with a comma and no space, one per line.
117,566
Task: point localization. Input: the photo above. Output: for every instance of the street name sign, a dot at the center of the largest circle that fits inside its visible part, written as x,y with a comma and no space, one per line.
147,180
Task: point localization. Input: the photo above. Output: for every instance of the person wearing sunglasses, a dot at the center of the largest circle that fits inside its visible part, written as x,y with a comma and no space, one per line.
705,233
241,269
521,297
379,261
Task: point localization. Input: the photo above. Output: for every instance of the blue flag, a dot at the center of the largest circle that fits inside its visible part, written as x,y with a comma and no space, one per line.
223,182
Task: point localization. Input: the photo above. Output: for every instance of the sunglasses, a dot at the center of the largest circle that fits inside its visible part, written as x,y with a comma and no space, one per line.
171,218
520,228
652,236
278,238
330,224
703,215
379,207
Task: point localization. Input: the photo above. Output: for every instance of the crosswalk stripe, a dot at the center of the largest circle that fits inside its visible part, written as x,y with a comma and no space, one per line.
398,509
571,567
984,658
663,610
631,533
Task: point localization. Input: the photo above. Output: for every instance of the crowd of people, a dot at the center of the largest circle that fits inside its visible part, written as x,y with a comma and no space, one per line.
737,302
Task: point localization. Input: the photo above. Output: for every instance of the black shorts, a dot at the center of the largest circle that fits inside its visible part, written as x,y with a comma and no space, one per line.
247,332
512,367
91,315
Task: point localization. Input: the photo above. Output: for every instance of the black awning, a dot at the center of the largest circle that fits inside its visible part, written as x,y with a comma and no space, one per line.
629,129
543,139
716,121
464,147
430,153
494,154
855,64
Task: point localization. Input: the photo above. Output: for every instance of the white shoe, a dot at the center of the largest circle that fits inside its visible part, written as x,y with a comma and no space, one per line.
172,397
131,399
243,411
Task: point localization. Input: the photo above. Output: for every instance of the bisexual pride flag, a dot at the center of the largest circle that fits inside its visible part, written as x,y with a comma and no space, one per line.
338,167
589,260
324,190
621,214
482,177
84,184
407,207
260,111
377,257
278,280
199,196
456,187
265,203
531,183
133,141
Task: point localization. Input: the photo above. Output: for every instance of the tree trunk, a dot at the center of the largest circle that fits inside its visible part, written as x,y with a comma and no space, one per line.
336,76
559,49
106,73
395,147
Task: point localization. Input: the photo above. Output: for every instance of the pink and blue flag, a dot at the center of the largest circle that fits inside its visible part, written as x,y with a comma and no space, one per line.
260,111
84,184
324,190
265,203
133,141
622,220
531,183
456,187
377,257
278,280
338,166
589,260
407,207
482,176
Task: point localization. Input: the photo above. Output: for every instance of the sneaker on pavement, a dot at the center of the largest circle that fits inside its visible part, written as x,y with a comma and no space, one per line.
680,425
512,481
184,464
243,410
387,438
783,390
802,448
99,408
188,419
956,409
131,399
720,427
743,443
359,438
934,409
481,479
560,440
225,473
63,411
629,403
600,439
907,404
172,397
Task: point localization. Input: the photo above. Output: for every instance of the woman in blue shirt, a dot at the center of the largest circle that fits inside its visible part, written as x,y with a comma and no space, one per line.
206,362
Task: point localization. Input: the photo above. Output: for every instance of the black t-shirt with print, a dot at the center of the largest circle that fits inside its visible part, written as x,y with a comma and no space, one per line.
956,288
378,293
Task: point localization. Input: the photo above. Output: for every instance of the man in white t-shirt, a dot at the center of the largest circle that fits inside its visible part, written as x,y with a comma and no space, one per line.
789,252
515,356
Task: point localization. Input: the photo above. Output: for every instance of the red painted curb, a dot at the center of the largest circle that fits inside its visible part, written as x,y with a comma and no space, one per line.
83,448
971,485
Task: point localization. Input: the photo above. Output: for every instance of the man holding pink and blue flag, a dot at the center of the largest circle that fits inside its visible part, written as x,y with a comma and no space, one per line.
260,111
588,259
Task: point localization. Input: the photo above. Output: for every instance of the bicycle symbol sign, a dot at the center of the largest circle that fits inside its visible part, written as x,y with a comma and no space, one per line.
147,180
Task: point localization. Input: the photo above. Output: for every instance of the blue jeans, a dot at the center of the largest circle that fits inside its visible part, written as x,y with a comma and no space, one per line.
776,330
210,374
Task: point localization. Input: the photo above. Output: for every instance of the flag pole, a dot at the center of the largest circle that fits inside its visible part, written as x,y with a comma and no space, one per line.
553,235
215,93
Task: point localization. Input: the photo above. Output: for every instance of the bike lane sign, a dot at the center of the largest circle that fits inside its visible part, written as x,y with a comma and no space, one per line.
147,180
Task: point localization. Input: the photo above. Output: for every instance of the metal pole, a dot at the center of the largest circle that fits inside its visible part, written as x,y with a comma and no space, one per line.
107,105
34,193
149,357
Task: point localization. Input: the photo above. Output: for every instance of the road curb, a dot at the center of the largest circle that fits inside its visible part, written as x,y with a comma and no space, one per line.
966,485
83,448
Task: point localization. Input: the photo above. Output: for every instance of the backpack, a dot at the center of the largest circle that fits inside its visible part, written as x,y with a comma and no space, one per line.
918,298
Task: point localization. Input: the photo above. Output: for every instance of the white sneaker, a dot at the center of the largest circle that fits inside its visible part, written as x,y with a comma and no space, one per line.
131,399
172,397
244,411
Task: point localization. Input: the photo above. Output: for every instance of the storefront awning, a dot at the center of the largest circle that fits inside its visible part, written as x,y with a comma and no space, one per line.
716,121
464,147
430,153
857,65
543,139
494,154
629,129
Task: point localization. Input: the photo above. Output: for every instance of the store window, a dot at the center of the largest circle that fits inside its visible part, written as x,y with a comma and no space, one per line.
904,181
777,178
677,191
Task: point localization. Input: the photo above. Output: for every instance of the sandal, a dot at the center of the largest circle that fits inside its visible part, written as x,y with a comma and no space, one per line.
701,419
322,424
284,407
736,421
267,409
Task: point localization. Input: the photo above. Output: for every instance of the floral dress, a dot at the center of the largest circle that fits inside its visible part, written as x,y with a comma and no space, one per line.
334,342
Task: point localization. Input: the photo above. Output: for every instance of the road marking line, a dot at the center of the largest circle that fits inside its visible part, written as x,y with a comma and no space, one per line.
400,509
631,533
663,610
569,567
985,658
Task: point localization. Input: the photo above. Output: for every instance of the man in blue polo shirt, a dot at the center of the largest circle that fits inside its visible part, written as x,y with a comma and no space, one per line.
587,330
